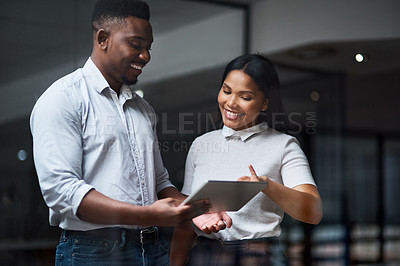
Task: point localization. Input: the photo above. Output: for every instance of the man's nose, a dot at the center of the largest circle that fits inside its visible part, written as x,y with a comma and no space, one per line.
145,55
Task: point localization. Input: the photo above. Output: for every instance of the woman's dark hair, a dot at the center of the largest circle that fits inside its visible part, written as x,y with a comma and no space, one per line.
116,11
264,74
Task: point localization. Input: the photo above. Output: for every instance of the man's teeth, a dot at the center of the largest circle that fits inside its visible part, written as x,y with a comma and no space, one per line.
137,67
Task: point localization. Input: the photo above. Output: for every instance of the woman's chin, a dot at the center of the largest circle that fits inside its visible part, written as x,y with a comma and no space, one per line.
233,124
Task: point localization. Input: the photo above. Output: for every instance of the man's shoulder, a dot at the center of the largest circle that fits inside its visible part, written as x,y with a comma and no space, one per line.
68,81
63,91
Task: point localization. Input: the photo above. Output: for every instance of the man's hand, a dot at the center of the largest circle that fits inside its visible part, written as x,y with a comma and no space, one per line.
253,176
167,212
213,222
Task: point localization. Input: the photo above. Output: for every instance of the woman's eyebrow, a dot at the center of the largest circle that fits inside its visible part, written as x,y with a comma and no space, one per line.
226,85
242,91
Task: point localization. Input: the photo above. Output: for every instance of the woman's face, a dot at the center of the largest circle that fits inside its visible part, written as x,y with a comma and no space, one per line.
240,100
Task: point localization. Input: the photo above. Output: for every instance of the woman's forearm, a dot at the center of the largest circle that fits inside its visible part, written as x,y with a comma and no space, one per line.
182,242
302,202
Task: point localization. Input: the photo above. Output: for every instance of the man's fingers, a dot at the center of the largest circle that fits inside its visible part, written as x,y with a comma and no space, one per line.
221,225
197,208
227,219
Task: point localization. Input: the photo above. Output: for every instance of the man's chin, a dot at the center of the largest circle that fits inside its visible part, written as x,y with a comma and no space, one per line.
129,82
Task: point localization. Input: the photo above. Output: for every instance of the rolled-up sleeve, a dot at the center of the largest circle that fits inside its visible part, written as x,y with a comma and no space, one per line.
56,131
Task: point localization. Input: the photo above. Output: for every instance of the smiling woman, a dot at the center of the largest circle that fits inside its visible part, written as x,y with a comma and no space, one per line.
249,88
240,100
250,93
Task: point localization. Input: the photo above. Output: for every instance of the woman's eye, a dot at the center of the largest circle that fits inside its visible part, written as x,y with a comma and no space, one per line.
227,92
246,98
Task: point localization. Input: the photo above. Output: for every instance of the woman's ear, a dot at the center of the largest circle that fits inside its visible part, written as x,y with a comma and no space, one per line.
102,39
265,105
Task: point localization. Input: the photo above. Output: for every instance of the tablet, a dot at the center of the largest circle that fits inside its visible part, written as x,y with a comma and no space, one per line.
226,195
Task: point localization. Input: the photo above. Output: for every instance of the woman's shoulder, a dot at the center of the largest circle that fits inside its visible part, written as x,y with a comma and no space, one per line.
207,139
209,136
273,133
275,138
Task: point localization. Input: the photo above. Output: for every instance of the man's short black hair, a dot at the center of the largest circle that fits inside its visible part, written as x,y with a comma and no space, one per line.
107,12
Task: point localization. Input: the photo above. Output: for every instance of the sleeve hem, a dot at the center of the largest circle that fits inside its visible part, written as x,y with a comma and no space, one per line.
79,195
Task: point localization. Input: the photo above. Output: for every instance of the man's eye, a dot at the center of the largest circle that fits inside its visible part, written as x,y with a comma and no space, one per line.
136,46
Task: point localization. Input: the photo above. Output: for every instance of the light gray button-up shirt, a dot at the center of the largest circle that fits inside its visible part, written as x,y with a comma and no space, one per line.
86,137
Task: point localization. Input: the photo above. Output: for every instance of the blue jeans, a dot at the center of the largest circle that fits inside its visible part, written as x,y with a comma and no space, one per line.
82,250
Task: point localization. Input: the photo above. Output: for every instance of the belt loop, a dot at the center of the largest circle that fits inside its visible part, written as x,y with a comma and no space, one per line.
63,236
123,238
157,234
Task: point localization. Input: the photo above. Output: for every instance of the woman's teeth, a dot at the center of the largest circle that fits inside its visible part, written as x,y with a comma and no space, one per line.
232,115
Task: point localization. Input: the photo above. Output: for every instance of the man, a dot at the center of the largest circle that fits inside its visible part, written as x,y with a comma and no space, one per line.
96,153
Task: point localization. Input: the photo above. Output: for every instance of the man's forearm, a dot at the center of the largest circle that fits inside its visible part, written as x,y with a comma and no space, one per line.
171,192
100,209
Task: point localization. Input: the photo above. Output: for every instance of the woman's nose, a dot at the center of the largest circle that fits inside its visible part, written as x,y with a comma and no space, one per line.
231,101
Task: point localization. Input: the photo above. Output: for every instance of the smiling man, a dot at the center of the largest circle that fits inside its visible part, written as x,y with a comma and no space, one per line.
96,153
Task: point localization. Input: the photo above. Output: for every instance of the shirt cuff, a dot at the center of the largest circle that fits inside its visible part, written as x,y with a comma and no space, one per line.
79,195
163,185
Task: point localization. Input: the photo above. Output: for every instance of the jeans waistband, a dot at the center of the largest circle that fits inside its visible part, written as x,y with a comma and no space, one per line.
143,236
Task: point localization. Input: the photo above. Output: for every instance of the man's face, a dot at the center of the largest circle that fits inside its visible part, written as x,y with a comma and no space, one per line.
128,51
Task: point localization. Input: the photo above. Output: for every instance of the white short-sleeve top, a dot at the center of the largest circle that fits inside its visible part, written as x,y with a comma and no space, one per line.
225,155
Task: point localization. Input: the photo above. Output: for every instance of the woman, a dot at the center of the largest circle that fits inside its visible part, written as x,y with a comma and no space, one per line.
248,95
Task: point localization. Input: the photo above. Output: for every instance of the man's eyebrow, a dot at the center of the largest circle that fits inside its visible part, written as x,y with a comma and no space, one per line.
135,37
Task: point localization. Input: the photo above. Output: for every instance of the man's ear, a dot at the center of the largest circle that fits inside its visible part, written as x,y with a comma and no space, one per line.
102,39
265,105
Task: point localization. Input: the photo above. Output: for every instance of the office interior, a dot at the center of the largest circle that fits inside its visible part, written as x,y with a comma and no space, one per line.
338,62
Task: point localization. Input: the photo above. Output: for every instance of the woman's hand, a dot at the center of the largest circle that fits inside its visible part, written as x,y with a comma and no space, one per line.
253,176
302,202
212,222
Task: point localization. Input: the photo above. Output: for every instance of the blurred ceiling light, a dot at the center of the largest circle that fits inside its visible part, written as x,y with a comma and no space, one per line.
314,95
22,155
361,58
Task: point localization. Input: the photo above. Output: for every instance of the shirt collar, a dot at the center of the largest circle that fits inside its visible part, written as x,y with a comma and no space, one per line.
100,83
93,73
243,134
126,92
